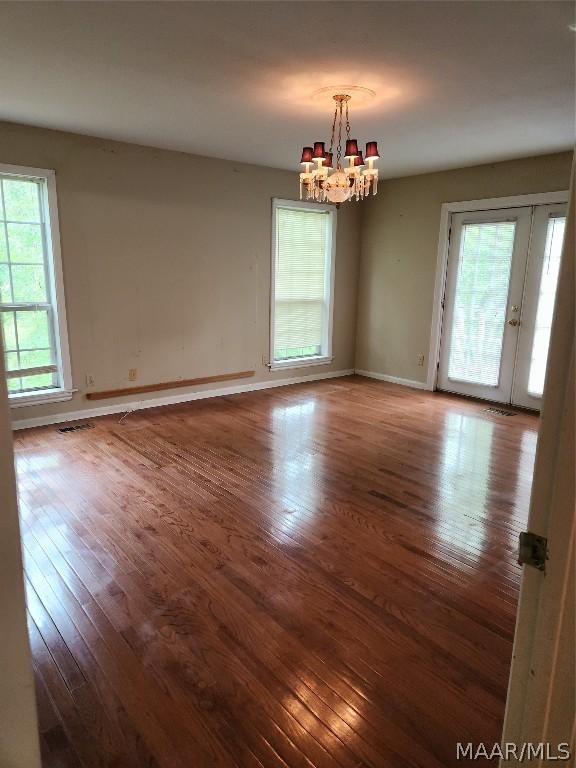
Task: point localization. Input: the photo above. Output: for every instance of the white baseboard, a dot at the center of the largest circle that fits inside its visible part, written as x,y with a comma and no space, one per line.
137,405
393,379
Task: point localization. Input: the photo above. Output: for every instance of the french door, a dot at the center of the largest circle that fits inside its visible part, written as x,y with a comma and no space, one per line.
500,291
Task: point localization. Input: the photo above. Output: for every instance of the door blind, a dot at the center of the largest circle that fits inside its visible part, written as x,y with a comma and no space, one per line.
485,261
300,283
546,301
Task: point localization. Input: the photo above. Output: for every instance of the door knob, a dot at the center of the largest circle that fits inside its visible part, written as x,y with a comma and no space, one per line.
514,322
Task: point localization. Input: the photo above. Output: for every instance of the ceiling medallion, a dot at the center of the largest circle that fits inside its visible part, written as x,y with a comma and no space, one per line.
321,182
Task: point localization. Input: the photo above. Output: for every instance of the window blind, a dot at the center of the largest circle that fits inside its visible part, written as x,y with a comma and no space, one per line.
480,303
546,301
301,294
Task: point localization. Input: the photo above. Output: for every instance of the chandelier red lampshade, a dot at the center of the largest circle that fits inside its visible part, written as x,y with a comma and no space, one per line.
321,181
372,149
351,148
319,151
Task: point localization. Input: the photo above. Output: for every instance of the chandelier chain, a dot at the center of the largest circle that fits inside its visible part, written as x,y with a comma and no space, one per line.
347,122
339,151
333,129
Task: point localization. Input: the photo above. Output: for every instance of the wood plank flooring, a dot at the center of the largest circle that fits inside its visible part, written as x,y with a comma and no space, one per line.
317,575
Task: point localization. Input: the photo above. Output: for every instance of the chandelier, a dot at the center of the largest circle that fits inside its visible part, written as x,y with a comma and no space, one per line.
321,181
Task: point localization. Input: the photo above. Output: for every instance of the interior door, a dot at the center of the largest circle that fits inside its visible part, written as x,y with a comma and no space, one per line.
483,299
538,304
541,706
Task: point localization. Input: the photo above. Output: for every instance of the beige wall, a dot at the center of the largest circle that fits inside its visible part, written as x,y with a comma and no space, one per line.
400,229
166,261
168,271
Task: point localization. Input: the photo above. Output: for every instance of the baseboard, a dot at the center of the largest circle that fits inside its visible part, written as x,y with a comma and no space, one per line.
392,379
137,405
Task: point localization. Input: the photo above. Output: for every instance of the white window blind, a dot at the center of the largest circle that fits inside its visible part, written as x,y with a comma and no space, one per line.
546,301
484,266
29,316
302,283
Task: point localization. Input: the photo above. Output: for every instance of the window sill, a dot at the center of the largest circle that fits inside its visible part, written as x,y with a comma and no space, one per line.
303,362
39,398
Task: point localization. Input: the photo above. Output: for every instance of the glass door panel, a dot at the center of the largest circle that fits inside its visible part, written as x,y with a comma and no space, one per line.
538,304
480,303
545,308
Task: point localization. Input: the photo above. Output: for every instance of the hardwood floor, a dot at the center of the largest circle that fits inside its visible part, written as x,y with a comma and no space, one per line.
317,575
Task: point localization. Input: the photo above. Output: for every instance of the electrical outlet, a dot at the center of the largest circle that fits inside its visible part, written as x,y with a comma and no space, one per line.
420,360
132,374
264,359
90,381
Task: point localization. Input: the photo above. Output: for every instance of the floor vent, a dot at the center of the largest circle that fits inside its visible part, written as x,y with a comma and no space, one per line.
499,411
76,427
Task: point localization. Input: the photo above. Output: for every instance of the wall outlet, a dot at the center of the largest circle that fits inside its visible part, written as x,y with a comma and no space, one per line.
420,360
90,381
264,359
132,374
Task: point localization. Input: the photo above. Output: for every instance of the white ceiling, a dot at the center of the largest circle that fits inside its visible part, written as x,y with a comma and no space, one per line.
456,83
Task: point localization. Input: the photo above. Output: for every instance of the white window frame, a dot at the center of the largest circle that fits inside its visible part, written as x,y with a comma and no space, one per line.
325,358
55,288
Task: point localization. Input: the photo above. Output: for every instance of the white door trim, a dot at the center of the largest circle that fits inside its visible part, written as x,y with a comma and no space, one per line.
522,219
446,211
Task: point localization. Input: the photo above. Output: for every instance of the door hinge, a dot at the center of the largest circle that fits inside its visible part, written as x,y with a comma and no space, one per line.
533,550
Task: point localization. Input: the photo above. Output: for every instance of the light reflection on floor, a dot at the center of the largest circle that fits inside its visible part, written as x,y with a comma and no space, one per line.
525,470
297,465
464,481
40,461
340,715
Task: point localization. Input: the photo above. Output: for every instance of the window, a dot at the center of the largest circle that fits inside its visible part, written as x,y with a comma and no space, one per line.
303,238
31,294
